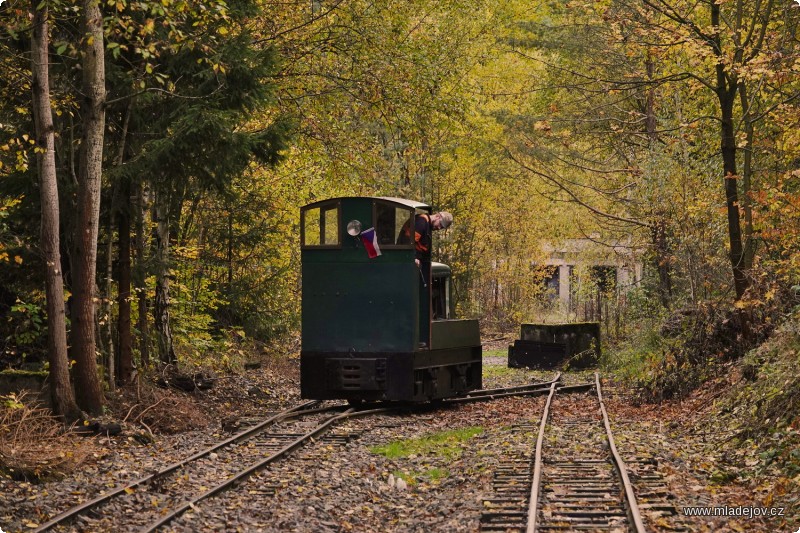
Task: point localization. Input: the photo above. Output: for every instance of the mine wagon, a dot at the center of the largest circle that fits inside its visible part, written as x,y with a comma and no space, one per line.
372,329
556,346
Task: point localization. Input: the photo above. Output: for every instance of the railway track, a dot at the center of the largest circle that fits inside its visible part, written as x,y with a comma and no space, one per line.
534,389
574,480
166,494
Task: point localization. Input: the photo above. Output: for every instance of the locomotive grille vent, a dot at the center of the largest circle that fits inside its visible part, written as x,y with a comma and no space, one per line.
351,376
356,374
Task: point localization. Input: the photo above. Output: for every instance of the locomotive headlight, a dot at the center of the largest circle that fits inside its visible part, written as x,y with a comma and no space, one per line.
354,227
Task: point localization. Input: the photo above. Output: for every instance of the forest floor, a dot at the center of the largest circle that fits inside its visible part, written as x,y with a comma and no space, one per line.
696,456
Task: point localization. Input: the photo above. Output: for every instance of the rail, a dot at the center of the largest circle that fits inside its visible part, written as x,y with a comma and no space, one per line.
634,514
576,467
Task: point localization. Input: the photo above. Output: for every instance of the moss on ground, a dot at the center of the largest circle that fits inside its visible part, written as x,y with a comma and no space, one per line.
446,444
10,372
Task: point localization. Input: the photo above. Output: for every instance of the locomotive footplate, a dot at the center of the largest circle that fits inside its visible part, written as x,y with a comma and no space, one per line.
355,374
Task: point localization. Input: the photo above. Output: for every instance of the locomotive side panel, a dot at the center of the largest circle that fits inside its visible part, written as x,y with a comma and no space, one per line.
357,307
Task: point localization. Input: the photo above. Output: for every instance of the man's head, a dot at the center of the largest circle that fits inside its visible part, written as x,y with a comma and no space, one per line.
441,220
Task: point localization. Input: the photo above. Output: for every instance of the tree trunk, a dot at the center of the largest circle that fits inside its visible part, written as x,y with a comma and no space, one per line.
732,193
88,388
726,93
61,392
140,275
230,248
122,197
662,260
111,360
125,358
161,307
747,176
659,226
649,106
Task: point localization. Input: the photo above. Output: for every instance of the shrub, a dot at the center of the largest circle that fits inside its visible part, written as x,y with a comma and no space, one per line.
34,445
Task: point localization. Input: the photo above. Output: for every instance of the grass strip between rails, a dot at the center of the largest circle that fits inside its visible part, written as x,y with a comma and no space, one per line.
445,444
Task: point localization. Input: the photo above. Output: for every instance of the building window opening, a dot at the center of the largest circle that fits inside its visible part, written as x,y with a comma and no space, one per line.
551,282
605,278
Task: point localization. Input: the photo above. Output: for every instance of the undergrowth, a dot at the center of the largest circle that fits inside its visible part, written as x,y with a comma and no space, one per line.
764,406
34,445
762,412
158,410
671,356
739,345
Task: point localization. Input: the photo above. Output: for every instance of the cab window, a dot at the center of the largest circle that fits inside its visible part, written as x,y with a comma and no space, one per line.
393,225
440,298
320,225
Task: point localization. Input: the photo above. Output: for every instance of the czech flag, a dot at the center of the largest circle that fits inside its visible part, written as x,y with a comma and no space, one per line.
370,239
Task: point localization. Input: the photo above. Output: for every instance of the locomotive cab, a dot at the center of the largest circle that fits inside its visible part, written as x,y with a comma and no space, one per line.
371,329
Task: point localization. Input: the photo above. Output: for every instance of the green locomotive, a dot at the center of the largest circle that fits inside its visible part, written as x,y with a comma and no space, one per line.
371,328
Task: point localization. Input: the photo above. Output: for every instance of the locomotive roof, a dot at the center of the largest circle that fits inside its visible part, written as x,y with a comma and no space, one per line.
439,270
409,203
402,201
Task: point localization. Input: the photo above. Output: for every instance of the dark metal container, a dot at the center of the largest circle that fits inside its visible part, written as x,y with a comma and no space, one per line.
551,346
